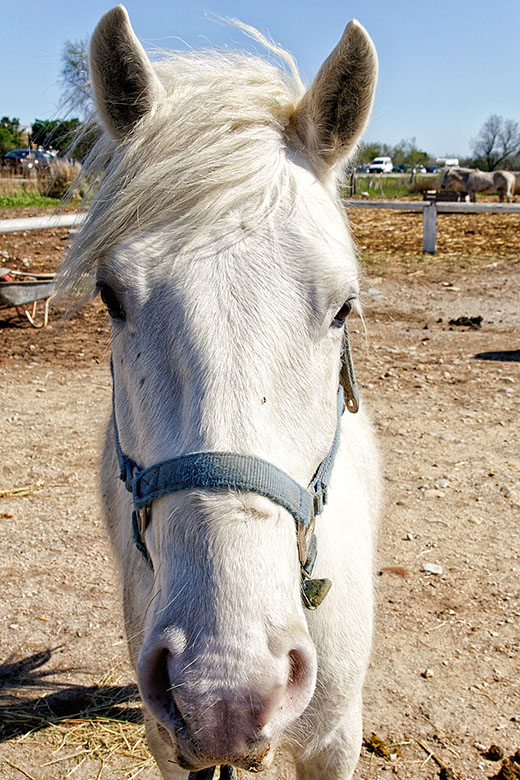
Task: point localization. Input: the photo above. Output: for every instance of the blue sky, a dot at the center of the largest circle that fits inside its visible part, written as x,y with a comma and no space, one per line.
445,65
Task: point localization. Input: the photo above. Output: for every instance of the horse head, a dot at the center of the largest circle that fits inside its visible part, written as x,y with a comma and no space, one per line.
219,248
455,179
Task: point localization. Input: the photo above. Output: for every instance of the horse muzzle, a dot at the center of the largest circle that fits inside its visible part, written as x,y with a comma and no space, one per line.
233,717
254,756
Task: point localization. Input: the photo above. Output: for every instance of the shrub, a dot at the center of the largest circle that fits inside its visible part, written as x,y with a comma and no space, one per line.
58,178
422,184
15,192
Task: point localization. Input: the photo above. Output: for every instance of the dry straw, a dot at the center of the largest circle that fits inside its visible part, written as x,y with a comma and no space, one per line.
106,728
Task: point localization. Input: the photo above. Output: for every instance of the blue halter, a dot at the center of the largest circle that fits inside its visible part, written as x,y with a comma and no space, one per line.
209,470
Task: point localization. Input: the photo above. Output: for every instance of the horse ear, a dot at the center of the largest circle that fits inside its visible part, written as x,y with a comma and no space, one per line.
123,81
335,110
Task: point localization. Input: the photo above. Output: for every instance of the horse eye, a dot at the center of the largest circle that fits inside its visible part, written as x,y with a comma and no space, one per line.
341,316
111,301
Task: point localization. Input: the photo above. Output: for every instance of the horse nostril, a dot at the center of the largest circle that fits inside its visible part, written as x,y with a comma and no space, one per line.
297,668
156,689
155,679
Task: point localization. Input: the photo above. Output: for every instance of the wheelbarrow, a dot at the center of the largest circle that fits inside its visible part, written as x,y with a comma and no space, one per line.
19,289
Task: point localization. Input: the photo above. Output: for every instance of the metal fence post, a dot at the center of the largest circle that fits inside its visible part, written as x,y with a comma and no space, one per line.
430,228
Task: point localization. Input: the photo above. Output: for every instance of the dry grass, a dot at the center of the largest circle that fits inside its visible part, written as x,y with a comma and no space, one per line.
100,739
21,490
423,184
12,185
57,179
462,236
107,729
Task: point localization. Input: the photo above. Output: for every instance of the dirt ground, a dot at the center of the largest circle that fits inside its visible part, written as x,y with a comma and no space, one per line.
444,682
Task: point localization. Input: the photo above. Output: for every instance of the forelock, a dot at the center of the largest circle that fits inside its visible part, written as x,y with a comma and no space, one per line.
213,144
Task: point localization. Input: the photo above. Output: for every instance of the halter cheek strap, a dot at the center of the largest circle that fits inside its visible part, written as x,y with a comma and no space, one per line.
208,470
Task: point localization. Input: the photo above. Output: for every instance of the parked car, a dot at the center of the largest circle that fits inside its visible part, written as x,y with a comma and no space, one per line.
399,169
431,169
419,169
26,159
381,165
361,168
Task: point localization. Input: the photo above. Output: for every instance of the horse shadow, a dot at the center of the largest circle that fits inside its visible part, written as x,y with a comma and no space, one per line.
507,356
20,712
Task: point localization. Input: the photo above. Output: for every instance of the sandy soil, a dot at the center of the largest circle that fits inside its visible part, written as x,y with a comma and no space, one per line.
444,679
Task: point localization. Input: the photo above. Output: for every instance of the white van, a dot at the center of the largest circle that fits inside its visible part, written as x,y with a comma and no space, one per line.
381,165
448,162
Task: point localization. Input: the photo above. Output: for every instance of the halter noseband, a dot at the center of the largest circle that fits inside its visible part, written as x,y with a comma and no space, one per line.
218,471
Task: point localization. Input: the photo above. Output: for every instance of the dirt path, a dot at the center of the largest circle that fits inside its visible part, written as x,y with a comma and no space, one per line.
445,401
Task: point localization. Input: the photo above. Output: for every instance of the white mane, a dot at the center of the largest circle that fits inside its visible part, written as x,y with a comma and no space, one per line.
215,141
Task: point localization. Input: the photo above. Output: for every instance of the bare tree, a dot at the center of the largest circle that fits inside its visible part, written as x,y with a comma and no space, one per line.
74,77
498,140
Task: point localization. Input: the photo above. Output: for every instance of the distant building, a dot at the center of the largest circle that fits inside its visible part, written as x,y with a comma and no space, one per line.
26,132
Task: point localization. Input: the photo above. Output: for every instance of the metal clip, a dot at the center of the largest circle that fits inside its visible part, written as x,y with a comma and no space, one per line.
140,520
227,772
304,536
318,500
347,376
312,552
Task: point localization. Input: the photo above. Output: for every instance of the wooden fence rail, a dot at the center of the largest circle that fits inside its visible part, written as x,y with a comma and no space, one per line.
430,209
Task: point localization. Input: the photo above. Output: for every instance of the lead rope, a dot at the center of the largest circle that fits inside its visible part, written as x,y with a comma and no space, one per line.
227,772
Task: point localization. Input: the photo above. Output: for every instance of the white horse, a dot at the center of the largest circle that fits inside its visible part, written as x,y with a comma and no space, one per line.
473,180
221,251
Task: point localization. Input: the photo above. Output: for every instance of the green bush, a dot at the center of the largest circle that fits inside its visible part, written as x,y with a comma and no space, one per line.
25,198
